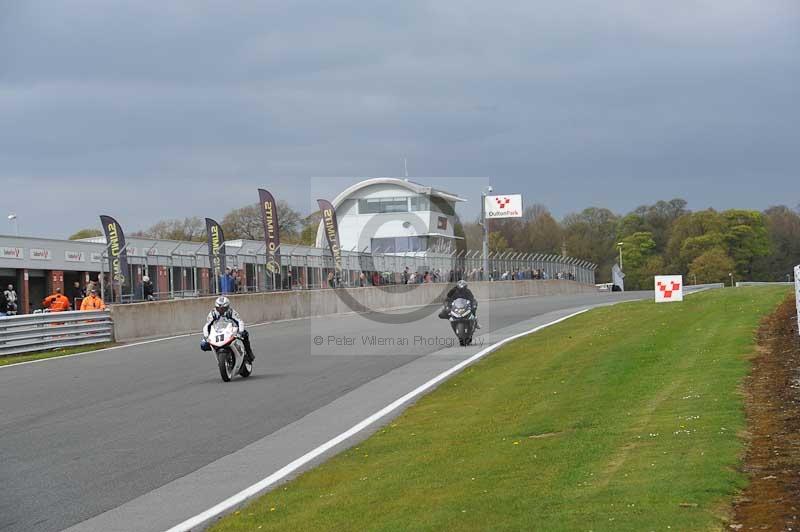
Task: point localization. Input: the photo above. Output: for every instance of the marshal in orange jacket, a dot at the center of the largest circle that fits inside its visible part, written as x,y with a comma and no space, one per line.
92,302
57,302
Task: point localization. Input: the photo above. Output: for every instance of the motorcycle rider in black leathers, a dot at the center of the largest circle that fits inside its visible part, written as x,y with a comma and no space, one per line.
222,309
460,290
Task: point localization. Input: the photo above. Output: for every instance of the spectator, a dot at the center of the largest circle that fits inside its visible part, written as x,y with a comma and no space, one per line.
412,278
93,302
406,275
289,278
376,279
226,282
330,280
91,285
76,292
3,305
362,279
10,296
56,302
237,281
147,289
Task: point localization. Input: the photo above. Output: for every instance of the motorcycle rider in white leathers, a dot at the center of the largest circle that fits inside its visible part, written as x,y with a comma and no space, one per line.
222,309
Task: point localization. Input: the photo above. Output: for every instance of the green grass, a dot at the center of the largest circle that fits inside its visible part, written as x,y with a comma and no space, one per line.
39,355
623,418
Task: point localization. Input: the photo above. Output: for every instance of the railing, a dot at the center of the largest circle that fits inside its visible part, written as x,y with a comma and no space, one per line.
53,330
763,283
305,268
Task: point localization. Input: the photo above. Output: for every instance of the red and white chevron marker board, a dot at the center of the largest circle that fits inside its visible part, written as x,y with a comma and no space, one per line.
669,288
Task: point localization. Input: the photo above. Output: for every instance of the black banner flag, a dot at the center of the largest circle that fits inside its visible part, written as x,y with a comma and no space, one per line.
117,253
272,233
216,249
331,227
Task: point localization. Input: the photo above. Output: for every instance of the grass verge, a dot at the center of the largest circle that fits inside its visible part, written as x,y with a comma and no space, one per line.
623,418
39,355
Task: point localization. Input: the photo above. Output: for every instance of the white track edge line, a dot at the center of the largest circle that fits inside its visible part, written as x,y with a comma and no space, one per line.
288,469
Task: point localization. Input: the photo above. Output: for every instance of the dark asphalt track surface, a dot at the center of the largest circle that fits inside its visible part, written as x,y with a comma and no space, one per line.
82,435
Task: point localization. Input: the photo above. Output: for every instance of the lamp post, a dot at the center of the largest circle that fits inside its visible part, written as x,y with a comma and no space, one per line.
485,248
731,276
619,245
13,218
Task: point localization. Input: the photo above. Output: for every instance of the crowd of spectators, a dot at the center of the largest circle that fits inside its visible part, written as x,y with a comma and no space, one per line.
409,276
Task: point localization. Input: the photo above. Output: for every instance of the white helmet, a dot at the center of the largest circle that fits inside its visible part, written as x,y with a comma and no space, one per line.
222,305
462,284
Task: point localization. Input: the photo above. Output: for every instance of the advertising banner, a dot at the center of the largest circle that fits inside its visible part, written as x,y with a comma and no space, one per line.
669,288
12,253
75,256
331,227
216,248
40,254
508,206
117,254
272,234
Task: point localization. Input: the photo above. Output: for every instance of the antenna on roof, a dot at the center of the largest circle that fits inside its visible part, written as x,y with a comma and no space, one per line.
405,166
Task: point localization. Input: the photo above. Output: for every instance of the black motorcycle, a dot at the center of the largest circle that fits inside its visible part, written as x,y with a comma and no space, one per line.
463,320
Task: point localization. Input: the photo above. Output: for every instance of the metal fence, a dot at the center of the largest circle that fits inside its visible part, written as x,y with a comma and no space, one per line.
52,330
308,268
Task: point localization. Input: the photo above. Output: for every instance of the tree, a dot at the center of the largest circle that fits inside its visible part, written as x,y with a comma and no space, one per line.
746,239
637,249
473,236
497,243
678,255
308,234
541,232
85,233
245,222
783,230
189,229
591,235
713,266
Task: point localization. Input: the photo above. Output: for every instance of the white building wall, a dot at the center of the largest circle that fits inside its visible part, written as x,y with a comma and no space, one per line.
356,230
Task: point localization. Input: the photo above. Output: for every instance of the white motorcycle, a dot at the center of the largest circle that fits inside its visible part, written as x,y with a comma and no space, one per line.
228,350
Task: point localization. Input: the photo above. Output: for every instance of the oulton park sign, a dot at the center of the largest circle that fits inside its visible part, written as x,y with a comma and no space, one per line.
509,206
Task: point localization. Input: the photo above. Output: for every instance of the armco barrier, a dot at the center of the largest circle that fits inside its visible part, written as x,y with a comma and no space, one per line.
39,332
761,283
164,318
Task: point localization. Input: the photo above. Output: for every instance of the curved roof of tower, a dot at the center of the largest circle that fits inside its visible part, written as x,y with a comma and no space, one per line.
417,188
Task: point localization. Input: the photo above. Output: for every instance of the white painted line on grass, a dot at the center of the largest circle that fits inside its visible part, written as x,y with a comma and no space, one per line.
288,469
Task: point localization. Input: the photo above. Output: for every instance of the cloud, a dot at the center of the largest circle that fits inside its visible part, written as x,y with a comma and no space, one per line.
585,103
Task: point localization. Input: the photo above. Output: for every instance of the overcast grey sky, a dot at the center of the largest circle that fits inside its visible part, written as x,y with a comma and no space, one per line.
151,110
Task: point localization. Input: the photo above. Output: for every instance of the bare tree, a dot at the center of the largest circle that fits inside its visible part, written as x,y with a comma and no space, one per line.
191,229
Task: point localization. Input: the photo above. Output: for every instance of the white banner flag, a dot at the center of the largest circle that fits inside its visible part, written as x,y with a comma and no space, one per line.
797,293
669,288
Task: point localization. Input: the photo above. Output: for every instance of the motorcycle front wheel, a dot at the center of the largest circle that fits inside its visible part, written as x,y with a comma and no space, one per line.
461,332
226,362
246,369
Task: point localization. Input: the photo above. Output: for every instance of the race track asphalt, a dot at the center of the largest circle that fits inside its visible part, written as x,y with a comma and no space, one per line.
83,435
